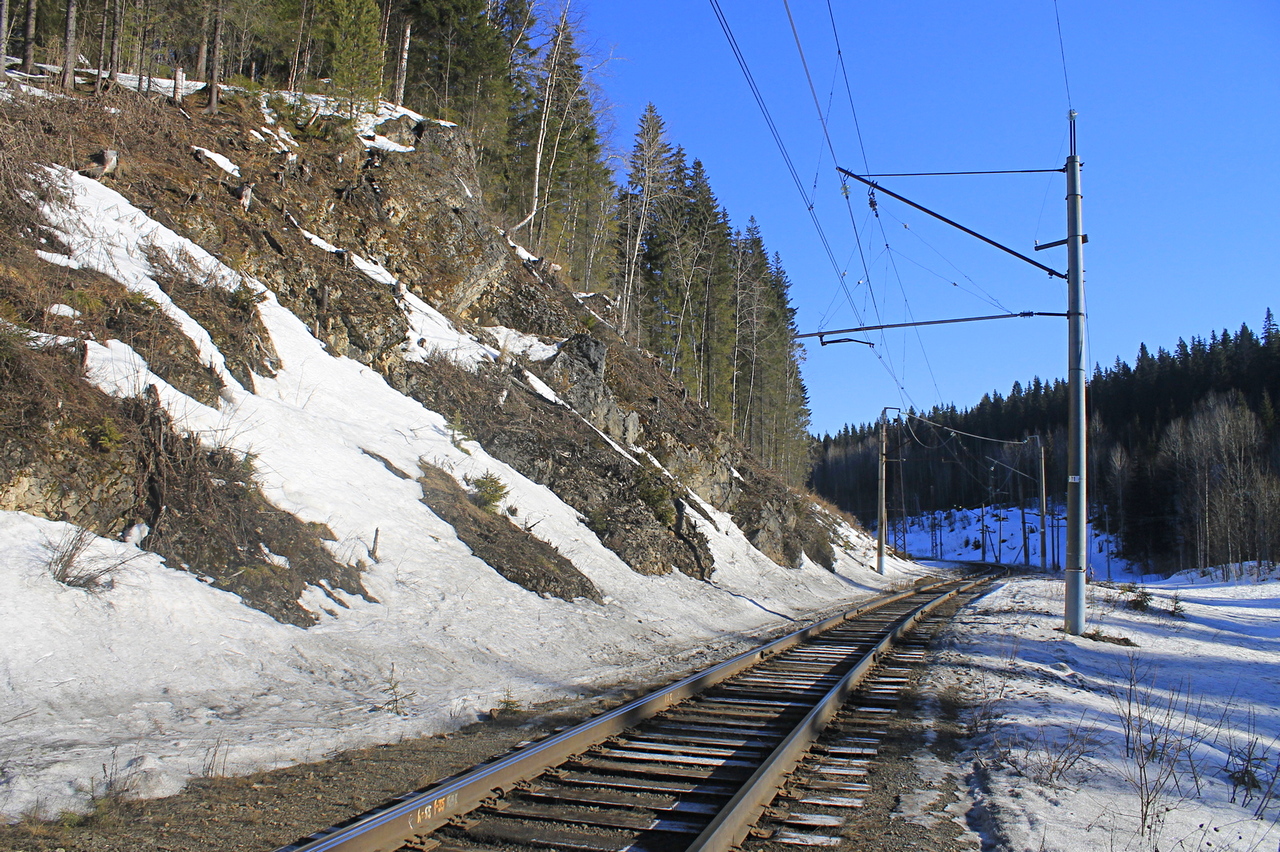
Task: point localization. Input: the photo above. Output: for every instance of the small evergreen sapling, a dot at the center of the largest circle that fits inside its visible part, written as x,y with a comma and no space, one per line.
487,491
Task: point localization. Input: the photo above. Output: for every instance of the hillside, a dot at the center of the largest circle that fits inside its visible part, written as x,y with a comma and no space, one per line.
355,466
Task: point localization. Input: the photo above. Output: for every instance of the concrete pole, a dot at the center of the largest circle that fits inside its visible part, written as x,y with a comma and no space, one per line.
1044,514
1077,543
882,518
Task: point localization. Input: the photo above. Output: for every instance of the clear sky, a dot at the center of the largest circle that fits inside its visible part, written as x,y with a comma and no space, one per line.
1179,131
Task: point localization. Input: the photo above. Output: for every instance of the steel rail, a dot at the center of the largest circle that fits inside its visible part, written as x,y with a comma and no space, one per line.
734,822
421,812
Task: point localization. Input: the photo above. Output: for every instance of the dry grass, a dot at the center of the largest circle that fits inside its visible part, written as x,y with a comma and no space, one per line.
70,562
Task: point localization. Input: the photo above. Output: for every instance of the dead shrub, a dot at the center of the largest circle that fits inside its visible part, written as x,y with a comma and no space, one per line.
70,562
1050,758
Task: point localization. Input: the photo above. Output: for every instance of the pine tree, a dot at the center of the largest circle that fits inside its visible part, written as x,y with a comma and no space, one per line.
647,186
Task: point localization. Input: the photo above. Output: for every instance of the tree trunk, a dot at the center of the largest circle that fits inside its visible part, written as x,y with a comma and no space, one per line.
117,31
544,118
202,52
146,57
70,54
102,50
215,64
29,40
4,33
402,68
384,26
297,48
139,16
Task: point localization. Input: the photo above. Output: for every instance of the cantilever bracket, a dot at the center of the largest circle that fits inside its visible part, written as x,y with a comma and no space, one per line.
1055,273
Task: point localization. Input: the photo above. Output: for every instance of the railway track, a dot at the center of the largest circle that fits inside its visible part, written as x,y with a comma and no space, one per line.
693,766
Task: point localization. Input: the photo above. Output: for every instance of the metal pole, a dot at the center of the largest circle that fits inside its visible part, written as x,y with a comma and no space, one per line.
1076,483
882,519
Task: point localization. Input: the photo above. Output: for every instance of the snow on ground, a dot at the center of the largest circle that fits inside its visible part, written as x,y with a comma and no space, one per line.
1196,697
1011,536
156,676
1047,768
218,160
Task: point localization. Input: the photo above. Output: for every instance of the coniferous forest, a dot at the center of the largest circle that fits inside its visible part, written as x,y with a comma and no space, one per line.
643,226
1184,452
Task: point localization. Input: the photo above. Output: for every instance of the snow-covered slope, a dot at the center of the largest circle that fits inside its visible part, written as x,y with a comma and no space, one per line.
158,675
1011,535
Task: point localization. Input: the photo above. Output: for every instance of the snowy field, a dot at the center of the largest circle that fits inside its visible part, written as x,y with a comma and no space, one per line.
1079,744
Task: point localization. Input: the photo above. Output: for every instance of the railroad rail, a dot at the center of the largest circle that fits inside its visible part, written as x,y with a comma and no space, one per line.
691,767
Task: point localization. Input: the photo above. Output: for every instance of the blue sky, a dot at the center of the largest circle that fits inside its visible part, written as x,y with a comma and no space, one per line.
1179,131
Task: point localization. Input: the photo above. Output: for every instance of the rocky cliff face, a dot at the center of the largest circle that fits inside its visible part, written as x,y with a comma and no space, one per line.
344,226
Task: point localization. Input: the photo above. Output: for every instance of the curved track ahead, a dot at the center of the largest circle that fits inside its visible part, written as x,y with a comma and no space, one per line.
690,767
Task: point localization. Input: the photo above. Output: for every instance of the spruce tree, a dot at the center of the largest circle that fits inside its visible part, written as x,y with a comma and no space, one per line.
355,49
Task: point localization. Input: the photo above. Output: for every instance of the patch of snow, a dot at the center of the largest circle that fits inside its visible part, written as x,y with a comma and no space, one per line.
958,534
280,135
520,344
522,252
136,533
1201,685
382,143
218,160
61,310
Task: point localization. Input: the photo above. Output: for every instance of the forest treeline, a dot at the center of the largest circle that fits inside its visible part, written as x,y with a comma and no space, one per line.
1184,452
645,228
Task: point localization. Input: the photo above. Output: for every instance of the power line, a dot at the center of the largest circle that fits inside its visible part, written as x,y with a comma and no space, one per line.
835,32
827,135
1062,50
795,177
773,130
966,434
978,293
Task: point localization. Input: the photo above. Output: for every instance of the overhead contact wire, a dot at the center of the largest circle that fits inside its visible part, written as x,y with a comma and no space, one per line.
795,177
